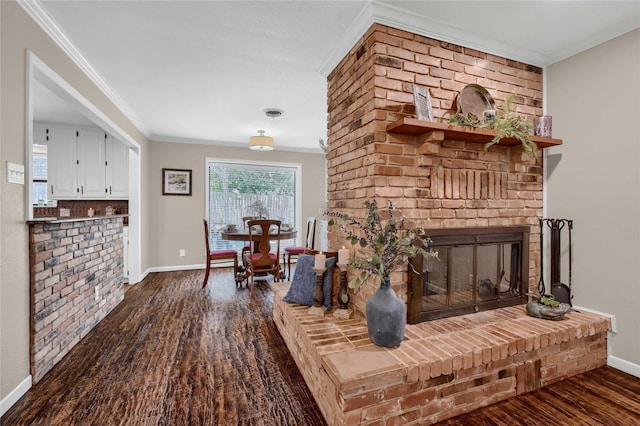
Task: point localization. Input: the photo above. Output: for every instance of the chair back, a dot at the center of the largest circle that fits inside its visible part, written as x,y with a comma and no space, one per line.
206,238
311,233
259,231
246,219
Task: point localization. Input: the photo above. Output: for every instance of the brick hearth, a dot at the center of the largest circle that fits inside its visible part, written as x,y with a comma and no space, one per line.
442,369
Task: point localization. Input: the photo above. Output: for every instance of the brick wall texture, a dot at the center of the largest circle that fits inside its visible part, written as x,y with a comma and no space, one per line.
69,260
435,183
442,369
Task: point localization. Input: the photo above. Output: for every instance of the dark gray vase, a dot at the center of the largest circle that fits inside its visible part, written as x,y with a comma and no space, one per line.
386,316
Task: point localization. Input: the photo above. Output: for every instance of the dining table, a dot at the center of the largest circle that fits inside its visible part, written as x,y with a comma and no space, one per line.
243,235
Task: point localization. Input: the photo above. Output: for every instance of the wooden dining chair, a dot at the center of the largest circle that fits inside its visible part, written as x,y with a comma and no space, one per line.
297,250
261,259
247,244
216,255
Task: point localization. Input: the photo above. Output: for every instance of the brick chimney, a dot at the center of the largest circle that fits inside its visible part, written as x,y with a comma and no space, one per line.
436,182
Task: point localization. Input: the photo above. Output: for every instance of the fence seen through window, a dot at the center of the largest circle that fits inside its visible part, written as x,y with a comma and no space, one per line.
236,190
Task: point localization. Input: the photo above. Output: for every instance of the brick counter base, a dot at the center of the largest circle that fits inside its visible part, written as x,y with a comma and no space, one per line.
442,369
69,260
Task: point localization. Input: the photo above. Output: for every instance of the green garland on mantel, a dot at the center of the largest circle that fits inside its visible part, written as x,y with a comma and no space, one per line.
508,124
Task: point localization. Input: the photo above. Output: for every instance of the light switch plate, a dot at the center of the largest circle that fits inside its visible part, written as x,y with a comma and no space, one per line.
15,173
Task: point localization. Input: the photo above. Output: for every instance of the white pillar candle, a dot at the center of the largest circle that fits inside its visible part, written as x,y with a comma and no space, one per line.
320,261
343,256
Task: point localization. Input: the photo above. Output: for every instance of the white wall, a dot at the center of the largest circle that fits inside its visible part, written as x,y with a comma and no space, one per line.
178,220
20,34
594,179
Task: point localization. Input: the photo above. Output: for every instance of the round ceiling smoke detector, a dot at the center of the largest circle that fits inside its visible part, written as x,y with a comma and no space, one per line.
273,112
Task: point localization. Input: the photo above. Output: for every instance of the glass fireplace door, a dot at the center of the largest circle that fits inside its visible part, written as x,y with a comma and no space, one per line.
470,275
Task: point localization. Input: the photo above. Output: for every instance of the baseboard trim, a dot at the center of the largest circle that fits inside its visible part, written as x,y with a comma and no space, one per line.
614,361
174,268
186,267
623,365
17,393
614,325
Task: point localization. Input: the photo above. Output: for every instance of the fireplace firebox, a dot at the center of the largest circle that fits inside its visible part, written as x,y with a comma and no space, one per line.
477,269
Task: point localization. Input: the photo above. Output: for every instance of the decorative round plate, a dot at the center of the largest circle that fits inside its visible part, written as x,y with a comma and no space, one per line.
475,99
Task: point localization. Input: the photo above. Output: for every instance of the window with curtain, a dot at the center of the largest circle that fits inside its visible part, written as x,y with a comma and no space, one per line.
238,188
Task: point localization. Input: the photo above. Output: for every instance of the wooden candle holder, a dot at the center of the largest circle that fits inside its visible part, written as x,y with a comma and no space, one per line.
318,294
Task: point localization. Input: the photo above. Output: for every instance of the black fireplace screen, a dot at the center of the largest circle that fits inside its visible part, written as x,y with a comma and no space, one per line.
477,269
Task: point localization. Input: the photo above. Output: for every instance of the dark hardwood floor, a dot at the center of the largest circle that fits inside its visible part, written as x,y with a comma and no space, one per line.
175,354
604,396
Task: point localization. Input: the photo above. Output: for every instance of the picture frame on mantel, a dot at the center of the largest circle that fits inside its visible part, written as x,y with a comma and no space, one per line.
176,182
422,101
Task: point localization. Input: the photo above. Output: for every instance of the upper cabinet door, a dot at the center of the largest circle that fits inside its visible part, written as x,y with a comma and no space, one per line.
117,171
85,163
40,134
91,164
62,163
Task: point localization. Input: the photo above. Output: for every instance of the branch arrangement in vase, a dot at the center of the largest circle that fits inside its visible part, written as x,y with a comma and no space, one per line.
382,242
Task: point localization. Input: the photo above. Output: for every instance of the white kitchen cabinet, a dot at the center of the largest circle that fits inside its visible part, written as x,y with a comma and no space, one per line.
40,134
85,163
91,164
62,163
117,169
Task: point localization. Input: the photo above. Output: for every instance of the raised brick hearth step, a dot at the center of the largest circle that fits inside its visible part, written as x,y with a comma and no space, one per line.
442,369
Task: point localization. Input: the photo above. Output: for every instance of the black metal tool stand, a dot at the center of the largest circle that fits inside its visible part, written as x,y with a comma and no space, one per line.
561,291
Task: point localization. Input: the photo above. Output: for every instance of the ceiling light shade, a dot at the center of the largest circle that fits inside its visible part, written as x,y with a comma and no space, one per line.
261,143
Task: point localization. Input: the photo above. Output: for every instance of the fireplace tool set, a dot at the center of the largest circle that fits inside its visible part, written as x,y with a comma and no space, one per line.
560,291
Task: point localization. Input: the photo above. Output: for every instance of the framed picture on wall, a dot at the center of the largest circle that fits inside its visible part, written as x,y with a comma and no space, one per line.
176,182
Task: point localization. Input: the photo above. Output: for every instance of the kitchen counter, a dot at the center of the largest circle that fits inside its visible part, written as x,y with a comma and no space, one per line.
72,219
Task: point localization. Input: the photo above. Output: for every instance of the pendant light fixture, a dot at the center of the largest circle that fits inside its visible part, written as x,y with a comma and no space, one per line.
261,143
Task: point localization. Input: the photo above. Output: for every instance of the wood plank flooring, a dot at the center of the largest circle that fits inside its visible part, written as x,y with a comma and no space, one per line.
175,354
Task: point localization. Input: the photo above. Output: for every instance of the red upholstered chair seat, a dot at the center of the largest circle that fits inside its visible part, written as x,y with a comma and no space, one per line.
295,250
256,256
222,254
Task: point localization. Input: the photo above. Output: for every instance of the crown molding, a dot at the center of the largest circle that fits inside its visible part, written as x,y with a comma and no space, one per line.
40,16
395,17
392,16
353,34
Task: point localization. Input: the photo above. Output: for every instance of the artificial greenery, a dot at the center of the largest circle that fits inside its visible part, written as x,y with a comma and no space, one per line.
549,300
507,123
467,120
382,243
323,146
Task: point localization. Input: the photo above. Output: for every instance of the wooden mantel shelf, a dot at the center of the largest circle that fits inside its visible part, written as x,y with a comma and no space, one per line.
413,126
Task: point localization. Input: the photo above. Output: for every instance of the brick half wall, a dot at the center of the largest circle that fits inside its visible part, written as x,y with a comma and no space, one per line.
69,260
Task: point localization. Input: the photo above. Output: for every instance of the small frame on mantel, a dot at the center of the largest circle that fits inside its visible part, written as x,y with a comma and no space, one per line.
422,101
176,182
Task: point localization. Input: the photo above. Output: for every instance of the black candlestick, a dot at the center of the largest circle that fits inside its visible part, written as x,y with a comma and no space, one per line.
343,291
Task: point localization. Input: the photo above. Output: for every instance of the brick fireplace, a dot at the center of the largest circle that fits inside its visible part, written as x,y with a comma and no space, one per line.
441,180
438,178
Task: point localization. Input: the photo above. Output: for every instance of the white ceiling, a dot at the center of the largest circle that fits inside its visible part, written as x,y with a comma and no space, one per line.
205,71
